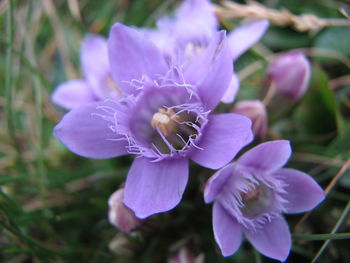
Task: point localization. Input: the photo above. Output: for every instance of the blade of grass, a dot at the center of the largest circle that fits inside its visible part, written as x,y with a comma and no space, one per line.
334,230
337,236
37,88
23,59
39,250
59,35
9,82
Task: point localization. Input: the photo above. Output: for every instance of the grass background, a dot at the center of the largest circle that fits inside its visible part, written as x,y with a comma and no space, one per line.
53,204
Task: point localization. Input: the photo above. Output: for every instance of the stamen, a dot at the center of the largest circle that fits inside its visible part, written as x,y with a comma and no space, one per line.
165,120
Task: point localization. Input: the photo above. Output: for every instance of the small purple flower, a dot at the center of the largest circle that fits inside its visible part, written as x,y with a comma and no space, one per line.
97,83
164,118
190,31
255,110
289,75
250,194
119,215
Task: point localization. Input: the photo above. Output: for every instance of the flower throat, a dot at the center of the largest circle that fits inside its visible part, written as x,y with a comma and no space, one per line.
175,129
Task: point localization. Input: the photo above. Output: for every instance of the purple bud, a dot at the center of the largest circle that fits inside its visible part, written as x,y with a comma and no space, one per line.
119,215
184,255
289,75
256,111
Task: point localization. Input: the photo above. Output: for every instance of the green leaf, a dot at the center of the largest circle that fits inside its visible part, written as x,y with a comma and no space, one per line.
318,113
334,38
282,38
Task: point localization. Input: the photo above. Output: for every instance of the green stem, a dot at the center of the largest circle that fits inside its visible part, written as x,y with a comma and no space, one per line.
322,236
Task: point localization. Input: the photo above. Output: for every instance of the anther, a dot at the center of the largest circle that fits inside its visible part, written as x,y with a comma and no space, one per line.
165,121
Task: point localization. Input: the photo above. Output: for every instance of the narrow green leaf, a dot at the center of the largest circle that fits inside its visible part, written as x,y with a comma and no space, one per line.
322,236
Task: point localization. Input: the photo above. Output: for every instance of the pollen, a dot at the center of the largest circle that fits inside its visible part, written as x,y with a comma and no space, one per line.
165,120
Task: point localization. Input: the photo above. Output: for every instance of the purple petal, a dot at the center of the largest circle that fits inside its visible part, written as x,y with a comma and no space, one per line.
302,191
163,40
154,187
232,90
242,38
222,138
85,133
216,182
72,94
133,57
195,21
227,231
268,156
211,71
94,57
273,240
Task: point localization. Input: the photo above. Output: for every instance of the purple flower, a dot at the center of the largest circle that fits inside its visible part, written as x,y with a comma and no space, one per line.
97,83
250,194
289,75
164,118
119,215
190,31
255,110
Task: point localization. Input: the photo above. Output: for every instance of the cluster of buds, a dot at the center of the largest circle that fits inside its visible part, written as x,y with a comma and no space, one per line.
288,76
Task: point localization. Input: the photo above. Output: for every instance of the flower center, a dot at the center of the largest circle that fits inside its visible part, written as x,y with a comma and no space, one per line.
251,196
256,201
176,129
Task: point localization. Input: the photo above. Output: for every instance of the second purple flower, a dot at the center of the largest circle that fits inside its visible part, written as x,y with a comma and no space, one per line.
250,195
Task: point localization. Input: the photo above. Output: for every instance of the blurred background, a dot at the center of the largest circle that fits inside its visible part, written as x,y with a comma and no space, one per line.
53,204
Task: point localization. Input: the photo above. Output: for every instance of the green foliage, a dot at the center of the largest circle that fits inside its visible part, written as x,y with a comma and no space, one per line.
317,112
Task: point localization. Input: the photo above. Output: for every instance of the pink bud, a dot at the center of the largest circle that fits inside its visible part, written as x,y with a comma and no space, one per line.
256,111
184,255
119,215
289,75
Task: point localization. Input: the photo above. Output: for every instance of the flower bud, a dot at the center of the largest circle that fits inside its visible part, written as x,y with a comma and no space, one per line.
121,246
289,75
184,255
119,215
256,111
